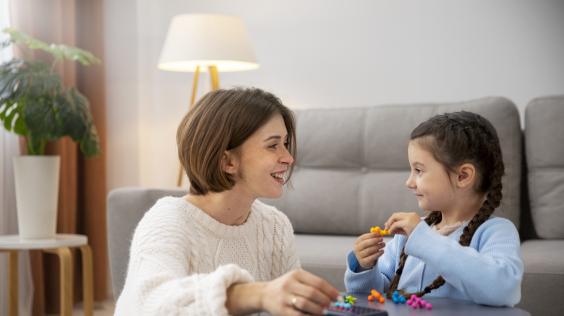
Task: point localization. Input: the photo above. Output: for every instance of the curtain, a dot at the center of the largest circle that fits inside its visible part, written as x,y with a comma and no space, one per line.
82,194
9,147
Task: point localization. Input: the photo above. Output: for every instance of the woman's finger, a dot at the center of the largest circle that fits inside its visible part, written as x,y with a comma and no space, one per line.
329,291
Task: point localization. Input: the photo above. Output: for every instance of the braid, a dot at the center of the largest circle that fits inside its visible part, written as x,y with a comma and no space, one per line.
458,138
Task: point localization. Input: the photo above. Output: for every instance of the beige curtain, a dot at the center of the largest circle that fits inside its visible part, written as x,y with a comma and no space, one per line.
82,193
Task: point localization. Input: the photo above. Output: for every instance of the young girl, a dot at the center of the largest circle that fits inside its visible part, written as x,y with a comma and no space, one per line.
458,250
218,250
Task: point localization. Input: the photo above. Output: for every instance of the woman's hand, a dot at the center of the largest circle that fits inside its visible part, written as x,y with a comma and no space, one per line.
297,292
402,223
368,248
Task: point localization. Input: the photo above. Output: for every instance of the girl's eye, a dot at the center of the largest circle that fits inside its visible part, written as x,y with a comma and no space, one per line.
273,146
418,171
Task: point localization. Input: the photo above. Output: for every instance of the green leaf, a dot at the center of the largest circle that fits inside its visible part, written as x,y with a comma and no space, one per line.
34,102
58,51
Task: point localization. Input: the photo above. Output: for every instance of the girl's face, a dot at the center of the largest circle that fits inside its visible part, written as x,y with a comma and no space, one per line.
429,180
262,161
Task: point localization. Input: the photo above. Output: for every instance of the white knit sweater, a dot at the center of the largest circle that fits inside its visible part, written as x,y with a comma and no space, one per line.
182,260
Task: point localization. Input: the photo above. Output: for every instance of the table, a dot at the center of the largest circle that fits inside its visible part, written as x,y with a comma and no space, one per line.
59,245
442,307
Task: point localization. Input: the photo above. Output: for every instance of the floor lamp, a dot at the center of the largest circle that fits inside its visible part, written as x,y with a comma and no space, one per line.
206,43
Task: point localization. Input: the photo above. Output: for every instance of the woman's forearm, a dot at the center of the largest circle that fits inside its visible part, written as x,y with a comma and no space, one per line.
244,298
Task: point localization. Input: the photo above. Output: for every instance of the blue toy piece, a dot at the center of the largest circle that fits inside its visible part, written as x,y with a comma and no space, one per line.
398,298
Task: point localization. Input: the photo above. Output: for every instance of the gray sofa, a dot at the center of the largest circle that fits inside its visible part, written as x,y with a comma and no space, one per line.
350,174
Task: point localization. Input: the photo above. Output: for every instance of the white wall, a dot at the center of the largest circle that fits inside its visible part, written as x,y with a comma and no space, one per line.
327,53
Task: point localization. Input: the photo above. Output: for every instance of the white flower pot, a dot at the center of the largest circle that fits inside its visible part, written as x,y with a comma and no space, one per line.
37,193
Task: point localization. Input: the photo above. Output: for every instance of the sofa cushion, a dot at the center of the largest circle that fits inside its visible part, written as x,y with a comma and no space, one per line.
352,164
544,139
544,276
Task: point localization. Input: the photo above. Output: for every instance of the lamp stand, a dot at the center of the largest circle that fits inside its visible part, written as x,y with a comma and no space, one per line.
214,81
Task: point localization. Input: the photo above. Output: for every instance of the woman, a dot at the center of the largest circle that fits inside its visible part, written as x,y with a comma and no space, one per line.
218,250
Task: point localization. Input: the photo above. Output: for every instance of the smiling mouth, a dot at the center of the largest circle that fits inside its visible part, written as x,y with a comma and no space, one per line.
279,176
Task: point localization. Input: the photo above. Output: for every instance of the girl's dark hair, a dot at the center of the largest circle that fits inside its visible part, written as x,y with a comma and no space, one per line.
454,139
223,120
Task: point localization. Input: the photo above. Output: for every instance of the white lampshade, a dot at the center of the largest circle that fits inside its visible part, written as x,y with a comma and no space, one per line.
207,40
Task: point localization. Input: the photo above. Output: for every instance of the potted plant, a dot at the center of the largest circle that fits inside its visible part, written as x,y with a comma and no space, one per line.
35,104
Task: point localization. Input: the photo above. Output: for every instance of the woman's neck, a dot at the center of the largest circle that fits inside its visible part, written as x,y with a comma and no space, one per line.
227,207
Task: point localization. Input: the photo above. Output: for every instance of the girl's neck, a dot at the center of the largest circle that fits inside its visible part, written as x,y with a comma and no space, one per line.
462,211
228,207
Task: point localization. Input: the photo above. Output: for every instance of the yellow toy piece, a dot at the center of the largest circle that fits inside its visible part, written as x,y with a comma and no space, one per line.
378,230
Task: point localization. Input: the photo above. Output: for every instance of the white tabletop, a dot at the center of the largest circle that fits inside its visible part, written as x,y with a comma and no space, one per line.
14,242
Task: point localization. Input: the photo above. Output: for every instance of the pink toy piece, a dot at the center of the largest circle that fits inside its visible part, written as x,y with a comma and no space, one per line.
429,306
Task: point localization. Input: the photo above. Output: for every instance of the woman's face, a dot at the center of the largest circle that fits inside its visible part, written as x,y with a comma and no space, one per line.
262,161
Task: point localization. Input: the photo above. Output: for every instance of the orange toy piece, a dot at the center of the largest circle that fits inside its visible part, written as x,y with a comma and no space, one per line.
378,230
375,295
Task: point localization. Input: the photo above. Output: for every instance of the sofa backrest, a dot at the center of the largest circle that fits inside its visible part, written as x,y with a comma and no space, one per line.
126,207
352,164
544,148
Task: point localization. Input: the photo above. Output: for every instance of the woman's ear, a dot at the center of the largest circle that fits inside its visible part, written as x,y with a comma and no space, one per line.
230,162
466,175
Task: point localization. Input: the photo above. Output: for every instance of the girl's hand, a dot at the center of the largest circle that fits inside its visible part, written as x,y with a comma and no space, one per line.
297,292
368,248
402,222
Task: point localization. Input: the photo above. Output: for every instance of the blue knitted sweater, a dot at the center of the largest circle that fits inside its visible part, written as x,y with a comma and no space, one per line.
487,272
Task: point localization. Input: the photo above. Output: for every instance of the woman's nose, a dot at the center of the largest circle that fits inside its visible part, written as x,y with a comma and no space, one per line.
286,158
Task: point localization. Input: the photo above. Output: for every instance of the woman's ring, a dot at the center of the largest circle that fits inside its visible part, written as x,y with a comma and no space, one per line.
294,301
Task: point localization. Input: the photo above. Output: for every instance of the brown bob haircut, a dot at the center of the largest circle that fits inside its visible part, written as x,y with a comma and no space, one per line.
223,120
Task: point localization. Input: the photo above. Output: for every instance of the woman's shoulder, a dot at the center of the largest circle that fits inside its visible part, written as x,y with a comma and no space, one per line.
167,208
270,213
167,216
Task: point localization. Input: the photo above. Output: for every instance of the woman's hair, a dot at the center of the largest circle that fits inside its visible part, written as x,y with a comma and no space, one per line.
454,139
222,120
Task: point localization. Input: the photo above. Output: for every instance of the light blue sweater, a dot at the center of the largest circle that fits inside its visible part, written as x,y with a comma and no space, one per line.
487,272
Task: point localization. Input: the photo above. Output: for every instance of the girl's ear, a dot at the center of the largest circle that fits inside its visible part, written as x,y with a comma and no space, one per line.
230,162
466,175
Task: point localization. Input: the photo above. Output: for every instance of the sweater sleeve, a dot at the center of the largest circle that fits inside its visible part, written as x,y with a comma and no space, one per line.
379,276
159,280
489,271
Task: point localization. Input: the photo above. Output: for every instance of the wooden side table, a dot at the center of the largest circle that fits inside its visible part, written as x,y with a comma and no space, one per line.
60,245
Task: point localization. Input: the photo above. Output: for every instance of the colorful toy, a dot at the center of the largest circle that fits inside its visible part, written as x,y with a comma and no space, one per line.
375,295
397,298
417,302
350,299
378,230
345,303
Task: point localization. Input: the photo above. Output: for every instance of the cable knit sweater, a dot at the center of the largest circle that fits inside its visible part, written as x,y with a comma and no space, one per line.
488,272
182,260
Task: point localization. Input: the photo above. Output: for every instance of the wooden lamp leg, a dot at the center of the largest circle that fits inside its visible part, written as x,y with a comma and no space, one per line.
190,106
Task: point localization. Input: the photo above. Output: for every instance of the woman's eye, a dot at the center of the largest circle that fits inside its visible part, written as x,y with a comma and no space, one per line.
273,146
286,144
418,171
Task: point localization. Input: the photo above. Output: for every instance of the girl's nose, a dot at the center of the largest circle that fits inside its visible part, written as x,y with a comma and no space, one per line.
410,183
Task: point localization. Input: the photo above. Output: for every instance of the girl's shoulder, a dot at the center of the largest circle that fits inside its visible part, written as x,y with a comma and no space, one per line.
498,222
497,227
